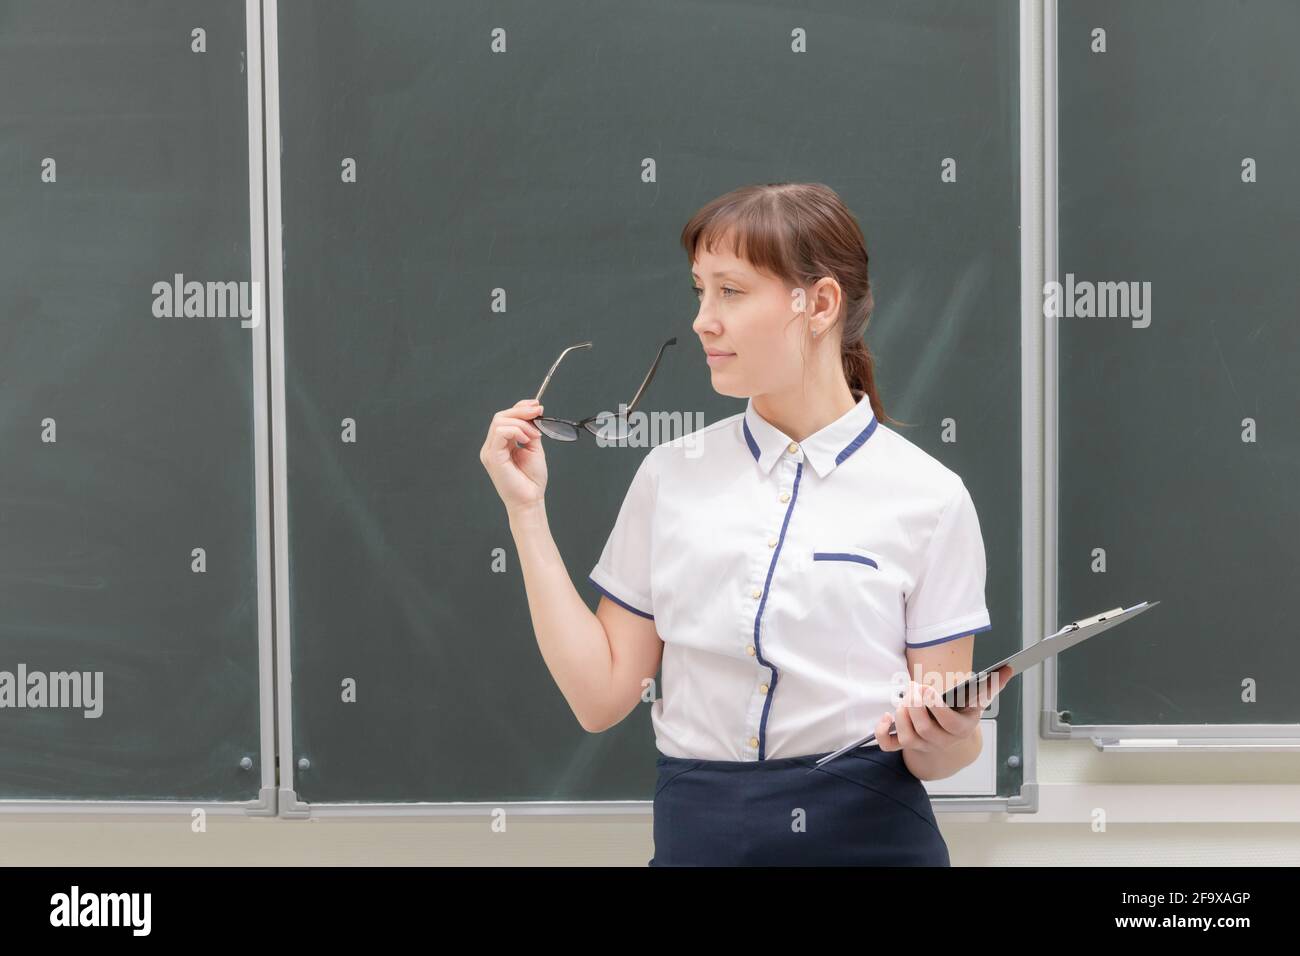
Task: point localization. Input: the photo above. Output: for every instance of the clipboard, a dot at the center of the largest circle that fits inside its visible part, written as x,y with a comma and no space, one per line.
1076,632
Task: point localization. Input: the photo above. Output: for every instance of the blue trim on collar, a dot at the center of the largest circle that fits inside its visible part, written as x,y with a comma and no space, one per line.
857,442
749,437
821,450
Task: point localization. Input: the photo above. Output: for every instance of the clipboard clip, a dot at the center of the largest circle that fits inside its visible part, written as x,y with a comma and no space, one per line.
1089,621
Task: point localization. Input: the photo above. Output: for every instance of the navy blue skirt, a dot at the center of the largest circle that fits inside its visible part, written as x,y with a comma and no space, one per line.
865,808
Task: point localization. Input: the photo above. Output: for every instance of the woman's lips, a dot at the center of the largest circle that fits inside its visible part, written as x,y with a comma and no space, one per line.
715,360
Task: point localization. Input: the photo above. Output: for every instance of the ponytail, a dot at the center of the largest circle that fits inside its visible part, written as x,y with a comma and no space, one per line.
859,370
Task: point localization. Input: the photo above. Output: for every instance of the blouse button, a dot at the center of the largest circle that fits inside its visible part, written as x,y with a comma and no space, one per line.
757,592
771,542
762,688
750,650
753,741
785,496
793,448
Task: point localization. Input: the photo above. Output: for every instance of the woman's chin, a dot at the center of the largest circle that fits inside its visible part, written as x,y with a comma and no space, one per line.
723,385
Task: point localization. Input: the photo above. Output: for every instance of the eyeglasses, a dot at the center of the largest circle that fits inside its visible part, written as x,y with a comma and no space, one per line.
608,426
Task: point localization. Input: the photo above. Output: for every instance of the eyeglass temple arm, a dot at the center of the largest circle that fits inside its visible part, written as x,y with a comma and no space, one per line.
546,381
650,374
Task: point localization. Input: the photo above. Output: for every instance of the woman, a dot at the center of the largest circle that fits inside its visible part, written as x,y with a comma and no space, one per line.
802,573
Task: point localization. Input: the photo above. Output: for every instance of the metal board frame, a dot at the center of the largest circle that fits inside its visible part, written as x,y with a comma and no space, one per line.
1127,738
1036,27
265,804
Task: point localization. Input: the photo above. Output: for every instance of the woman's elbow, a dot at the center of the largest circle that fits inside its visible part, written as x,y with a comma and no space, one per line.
595,723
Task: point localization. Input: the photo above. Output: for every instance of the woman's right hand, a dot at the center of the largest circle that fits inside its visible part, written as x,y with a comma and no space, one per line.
518,473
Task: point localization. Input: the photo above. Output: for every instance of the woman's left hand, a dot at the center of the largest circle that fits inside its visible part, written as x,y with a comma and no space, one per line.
939,727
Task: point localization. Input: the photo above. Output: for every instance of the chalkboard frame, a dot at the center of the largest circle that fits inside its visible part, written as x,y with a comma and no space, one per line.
1033,34
1115,737
264,805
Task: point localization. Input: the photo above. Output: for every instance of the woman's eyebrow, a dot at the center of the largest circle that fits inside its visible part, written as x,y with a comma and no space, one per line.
724,273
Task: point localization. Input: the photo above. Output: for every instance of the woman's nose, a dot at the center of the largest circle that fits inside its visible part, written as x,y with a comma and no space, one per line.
703,321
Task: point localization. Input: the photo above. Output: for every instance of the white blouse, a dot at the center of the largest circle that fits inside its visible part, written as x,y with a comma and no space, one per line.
787,578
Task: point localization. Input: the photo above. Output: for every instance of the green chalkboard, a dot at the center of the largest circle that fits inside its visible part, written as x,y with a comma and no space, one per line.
521,171
127,438
1178,442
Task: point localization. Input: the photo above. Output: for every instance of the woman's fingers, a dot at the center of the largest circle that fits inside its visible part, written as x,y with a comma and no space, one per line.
524,435
882,734
998,680
918,704
512,424
508,428
522,424
522,410
513,455
516,433
983,693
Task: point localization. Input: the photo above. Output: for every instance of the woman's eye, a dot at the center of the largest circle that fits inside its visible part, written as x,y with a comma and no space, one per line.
698,291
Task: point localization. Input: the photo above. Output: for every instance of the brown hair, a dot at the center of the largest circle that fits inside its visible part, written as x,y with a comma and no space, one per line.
800,232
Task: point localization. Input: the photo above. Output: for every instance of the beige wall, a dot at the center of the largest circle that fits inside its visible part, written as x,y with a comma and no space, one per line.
1215,788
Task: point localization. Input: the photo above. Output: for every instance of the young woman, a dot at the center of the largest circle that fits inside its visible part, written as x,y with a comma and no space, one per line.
802,574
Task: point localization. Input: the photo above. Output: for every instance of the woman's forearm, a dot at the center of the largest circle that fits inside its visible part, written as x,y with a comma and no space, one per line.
572,640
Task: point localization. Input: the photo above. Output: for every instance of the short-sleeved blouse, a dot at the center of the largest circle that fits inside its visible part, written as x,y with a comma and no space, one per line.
786,579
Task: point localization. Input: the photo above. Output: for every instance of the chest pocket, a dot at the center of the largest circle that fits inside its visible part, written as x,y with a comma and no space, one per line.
857,590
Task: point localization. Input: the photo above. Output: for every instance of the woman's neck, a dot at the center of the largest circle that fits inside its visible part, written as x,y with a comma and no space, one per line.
805,410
